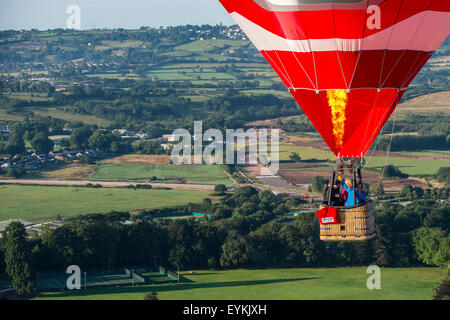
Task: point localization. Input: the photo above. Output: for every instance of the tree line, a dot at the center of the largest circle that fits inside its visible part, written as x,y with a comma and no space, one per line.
412,142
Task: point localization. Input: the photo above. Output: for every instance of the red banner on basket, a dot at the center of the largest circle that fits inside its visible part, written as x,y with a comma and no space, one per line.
328,215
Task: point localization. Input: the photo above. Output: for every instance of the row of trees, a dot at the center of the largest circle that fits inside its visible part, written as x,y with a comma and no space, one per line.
81,137
416,192
414,142
38,137
443,175
430,124
26,86
390,171
84,138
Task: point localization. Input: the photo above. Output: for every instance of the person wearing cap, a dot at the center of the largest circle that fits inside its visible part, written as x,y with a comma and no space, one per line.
348,186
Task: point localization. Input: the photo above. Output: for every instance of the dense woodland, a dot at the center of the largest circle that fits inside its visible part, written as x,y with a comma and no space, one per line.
247,229
143,106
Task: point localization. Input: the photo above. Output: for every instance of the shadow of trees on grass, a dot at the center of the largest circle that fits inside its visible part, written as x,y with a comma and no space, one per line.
170,287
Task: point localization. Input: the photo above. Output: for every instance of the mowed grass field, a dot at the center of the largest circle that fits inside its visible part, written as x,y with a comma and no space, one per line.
195,174
38,203
408,165
275,284
438,102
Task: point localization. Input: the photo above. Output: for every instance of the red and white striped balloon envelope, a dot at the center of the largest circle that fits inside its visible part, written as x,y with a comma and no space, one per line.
346,62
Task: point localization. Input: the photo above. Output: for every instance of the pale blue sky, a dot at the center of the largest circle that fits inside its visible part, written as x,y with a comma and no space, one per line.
127,14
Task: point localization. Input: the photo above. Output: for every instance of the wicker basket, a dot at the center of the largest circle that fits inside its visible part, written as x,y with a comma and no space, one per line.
357,224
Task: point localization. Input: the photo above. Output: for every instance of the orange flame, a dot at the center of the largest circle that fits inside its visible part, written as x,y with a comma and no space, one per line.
337,100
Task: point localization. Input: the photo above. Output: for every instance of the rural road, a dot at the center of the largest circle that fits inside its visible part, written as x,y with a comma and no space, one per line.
106,183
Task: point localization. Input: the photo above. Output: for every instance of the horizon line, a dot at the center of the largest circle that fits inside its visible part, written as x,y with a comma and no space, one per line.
121,28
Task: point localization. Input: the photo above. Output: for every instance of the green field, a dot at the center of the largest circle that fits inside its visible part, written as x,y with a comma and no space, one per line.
275,284
306,153
436,154
201,46
408,165
28,96
195,174
59,114
55,113
38,203
122,44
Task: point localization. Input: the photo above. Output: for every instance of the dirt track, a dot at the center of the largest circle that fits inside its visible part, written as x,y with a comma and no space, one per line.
106,183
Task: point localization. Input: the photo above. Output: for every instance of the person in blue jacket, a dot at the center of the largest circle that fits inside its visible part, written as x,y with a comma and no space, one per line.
348,186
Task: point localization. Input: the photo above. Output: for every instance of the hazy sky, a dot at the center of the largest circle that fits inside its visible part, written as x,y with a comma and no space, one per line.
127,14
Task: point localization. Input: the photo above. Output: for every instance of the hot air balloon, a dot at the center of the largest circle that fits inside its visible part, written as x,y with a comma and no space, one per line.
347,63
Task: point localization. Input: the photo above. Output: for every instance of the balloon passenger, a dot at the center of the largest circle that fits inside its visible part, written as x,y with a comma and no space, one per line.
344,196
335,197
348,186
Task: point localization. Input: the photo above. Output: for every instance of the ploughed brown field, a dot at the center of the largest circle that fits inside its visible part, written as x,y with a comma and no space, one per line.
308,142
71,171
140,158
305,173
